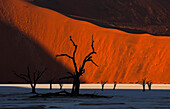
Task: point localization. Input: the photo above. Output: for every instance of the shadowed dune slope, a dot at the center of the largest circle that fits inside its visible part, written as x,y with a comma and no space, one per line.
18,51
121,56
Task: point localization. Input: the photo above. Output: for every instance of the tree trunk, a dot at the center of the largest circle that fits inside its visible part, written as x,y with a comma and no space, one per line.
61,87
149,86
143,87
102,87
76,86
114,87
73,87
50,85
33,90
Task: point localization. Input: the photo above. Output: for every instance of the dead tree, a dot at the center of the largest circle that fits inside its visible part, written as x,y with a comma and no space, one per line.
103,83
78,71
149,83
31,78
143,84
114,85
51,82
60,84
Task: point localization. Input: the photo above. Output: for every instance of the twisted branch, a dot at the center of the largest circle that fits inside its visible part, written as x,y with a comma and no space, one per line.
89,57
65,55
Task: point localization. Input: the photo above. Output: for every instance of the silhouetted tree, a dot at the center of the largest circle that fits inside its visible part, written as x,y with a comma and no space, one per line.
114,85
78,71
51,82
103,83
60,84
149,83
143,84
31,78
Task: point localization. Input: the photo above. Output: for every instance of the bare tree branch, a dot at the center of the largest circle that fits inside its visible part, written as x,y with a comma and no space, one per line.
75,49
28,74
94,62
88,57
64,55
70,73
72,41
103,82
74,46
92,44
60,83
73,58
21,76
40,74
43,72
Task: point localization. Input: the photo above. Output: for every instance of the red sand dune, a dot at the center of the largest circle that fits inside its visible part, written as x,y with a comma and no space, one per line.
38,34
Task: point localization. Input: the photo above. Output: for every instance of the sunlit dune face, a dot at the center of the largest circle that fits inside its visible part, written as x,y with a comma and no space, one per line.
121,56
